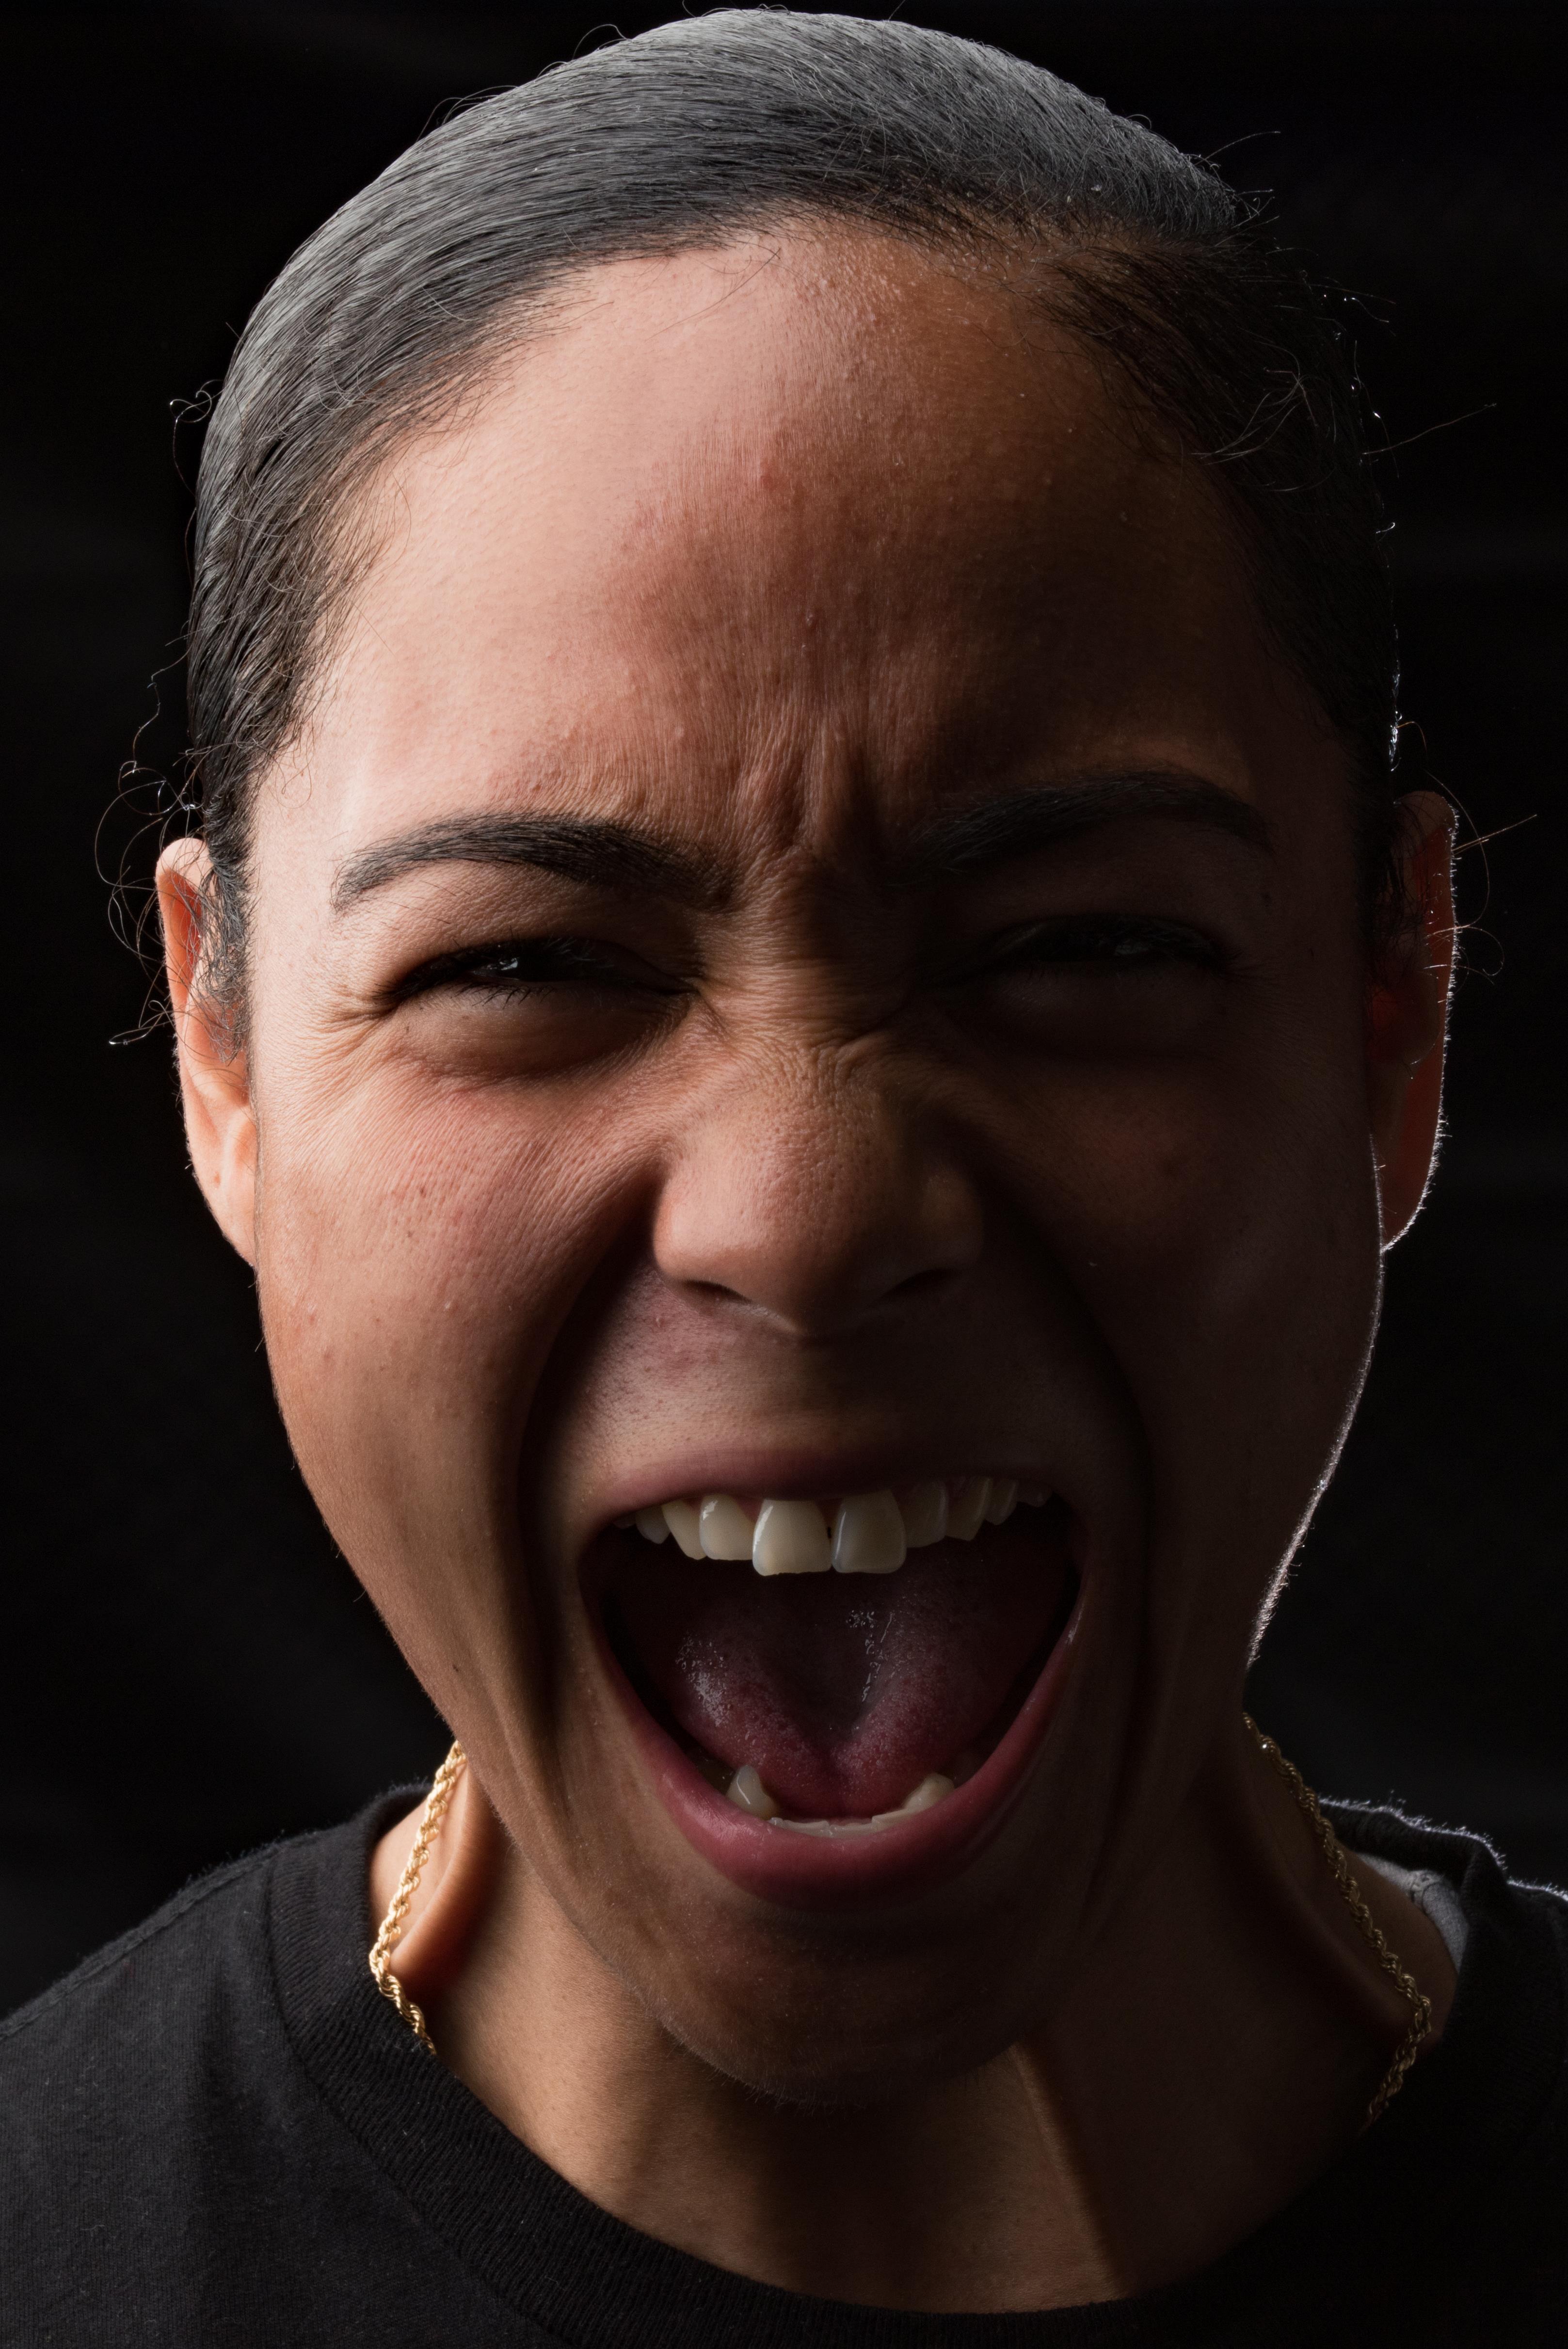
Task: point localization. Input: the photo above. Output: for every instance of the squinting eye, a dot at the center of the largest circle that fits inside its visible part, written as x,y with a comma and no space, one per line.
1114,944
1103,985
526,966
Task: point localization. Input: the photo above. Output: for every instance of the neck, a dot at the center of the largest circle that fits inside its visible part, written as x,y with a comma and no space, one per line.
1217,2051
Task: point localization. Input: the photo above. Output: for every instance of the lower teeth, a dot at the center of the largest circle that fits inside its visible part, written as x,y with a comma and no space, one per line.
748,1793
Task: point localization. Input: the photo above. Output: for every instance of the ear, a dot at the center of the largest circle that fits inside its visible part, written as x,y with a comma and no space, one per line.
215,1079
1407,1015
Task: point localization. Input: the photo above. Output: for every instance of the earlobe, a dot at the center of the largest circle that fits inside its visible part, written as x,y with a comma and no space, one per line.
1407,1019
214,1078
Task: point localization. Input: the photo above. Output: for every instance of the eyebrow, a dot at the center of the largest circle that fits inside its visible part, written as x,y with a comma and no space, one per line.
949,847
608,855
602,855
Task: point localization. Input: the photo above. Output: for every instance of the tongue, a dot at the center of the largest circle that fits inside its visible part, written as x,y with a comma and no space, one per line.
842,1690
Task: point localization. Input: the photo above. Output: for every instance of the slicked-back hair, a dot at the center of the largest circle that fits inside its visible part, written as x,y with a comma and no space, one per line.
691,135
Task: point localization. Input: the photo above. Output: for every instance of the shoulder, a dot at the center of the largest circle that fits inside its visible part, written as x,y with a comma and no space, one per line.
1499,1929
122,2078
165,2158
1483,2132
1466,1865
148,1985
130,2014
186,2002
206,1903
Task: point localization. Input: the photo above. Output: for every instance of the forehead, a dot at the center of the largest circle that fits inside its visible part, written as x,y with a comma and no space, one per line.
736,534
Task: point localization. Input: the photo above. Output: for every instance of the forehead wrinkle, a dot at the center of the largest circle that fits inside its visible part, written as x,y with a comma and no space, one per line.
817,632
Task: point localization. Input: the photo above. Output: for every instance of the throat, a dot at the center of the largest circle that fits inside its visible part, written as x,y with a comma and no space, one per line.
960,2197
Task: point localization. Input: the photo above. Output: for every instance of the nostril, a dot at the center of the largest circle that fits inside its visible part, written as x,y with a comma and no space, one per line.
854,1293
715,1292
917,1285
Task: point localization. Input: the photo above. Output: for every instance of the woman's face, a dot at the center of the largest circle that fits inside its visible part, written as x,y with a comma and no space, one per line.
808,951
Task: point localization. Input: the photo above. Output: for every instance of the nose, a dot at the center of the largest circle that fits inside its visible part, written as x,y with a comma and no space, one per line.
807,1189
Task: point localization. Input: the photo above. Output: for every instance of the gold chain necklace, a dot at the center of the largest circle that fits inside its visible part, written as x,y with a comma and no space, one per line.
1410,2047
1334,1851
391,1932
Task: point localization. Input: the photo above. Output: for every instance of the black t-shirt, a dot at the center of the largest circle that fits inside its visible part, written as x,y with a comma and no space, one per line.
216,2134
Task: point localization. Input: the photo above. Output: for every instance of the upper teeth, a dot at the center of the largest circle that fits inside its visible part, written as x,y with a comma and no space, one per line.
869,1533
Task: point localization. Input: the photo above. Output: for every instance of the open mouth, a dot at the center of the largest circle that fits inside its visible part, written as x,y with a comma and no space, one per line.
834,1667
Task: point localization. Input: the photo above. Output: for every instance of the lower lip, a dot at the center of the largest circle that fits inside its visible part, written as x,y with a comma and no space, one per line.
818,1871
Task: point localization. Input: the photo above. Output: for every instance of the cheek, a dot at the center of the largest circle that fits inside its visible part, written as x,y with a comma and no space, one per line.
1220,1221
419,1251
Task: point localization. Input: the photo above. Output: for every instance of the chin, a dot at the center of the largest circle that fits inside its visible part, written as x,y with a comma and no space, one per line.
816,2017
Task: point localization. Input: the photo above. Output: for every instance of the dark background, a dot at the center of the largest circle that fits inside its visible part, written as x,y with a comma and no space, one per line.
188,1667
